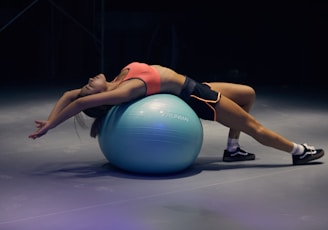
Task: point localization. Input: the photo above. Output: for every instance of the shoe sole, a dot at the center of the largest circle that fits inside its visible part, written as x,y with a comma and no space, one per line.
229,159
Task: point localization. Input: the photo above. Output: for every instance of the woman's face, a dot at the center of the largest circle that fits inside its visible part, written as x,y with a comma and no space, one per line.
96,84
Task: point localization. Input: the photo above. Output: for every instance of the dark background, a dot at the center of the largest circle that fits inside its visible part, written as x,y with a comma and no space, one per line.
60,42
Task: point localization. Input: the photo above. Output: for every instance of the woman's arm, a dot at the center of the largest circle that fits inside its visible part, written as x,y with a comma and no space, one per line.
67,107
44,125
66,99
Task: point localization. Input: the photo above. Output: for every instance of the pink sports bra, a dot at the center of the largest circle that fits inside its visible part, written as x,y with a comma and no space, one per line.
147,74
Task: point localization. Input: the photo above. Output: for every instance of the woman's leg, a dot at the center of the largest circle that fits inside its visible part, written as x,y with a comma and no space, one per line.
231,115
242,95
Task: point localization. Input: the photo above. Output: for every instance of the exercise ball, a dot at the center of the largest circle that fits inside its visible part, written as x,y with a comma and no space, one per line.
157,134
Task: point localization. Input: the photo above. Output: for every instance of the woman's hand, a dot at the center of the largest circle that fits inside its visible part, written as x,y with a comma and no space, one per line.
43,127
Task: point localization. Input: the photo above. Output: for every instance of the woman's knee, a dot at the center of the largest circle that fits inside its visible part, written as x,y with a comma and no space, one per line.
253,127
250,92
260,133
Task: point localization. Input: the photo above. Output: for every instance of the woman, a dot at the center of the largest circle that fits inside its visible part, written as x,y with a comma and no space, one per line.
226,103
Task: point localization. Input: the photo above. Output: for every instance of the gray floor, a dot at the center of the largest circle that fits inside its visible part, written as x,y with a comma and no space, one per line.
63,181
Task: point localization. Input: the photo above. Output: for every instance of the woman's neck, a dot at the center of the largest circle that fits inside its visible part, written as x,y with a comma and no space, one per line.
112,85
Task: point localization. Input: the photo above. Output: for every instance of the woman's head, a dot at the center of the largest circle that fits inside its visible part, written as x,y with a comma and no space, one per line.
96,84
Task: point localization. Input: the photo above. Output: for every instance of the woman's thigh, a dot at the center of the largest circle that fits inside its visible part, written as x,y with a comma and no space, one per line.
241,94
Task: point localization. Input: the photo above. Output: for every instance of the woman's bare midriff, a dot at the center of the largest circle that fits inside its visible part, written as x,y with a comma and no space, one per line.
171,81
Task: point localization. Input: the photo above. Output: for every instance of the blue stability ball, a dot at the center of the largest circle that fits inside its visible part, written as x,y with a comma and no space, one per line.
156,134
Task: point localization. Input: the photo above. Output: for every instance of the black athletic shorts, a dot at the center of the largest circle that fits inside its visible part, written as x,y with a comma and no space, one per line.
201,98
